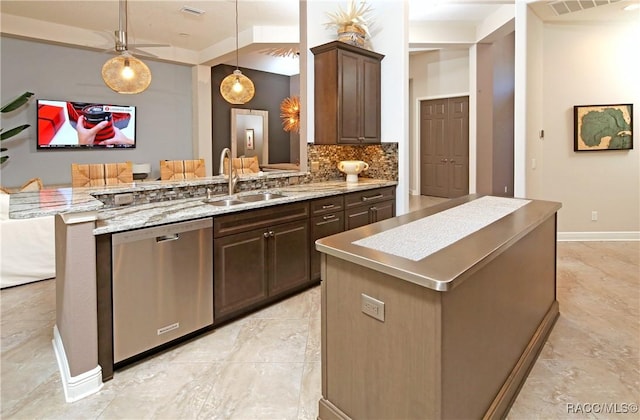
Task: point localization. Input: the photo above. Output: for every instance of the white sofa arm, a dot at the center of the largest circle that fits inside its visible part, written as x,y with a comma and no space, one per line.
27,250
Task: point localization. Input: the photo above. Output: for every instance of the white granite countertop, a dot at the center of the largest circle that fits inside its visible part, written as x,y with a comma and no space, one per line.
75,200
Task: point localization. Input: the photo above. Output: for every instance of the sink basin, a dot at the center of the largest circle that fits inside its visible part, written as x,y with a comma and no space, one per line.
225,203
250,198
260,197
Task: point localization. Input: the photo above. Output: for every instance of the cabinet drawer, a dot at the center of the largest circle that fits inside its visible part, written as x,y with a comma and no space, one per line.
326,225
369,196
254,219
322,226
326,205
356,217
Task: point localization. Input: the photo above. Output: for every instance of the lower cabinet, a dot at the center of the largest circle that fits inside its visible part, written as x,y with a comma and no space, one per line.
327,218
240,272
365,207
288,257
264,254
259,255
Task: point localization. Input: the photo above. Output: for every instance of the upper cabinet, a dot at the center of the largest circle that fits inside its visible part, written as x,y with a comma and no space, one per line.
347,94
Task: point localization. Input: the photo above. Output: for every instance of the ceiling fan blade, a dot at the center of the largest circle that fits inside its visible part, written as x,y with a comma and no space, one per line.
138,52
136,45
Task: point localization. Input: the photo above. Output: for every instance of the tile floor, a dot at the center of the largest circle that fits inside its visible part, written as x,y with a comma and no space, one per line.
267,365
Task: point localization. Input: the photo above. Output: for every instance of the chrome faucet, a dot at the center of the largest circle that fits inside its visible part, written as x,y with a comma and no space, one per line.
233,178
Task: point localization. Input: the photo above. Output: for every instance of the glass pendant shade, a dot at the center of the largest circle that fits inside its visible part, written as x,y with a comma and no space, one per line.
126,74
237,88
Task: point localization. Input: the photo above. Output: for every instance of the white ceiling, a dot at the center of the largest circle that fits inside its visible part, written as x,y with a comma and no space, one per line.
153,21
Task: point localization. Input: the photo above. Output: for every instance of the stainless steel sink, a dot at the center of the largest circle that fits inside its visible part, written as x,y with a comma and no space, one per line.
249,198
260,197
225,203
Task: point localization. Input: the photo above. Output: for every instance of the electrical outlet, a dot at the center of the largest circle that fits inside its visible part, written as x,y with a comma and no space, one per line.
123,199
505,188
594,216
372,307
315,166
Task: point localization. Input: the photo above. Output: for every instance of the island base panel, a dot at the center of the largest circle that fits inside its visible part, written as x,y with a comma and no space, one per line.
463,353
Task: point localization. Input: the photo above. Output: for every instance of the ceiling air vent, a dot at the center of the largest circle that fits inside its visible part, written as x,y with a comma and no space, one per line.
190,10
562,7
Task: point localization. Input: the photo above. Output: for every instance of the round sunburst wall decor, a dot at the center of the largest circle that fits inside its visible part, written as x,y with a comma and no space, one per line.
290,114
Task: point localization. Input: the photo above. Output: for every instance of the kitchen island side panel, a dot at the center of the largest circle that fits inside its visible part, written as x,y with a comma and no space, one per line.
461,353
490,319
374,369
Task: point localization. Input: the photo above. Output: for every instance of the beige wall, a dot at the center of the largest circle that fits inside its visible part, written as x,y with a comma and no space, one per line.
567,66
582,65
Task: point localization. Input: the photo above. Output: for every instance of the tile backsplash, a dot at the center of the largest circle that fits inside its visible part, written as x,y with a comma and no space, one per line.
382,159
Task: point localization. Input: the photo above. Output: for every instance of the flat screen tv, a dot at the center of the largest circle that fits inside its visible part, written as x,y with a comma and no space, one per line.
85,125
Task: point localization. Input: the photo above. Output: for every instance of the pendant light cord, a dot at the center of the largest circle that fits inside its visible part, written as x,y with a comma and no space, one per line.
237,65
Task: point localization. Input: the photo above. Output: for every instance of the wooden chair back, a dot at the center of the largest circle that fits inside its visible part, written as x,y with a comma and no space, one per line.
101,174
182,169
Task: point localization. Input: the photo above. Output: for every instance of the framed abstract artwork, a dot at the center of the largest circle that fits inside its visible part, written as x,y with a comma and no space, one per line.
603,127
249,139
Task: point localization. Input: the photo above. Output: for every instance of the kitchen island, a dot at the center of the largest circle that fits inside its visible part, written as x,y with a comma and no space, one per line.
439,313
87,217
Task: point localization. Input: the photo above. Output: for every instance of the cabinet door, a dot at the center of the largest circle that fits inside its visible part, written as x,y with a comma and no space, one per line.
322,226
370,101
384,210
240,272
358,98
356,217
288,249
349,99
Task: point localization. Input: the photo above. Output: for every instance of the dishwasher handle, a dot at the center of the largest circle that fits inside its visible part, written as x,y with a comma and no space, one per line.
167,238
161,233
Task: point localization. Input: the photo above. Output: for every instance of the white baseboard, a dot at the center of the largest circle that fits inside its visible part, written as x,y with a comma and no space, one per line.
598,236
79,386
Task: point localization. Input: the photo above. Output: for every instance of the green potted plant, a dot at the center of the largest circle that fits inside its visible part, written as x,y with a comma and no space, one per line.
12,106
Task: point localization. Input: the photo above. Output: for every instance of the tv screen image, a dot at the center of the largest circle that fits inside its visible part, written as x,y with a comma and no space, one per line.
65,124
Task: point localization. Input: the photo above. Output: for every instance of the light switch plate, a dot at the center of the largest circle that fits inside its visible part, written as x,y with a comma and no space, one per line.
372,307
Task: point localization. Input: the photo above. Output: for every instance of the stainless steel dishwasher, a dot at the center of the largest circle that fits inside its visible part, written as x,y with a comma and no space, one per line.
162,285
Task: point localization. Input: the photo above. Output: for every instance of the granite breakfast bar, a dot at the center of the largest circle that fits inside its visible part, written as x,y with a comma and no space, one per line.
82,218
439,313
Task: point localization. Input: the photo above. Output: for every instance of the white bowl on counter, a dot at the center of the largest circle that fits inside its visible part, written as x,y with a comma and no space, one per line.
352,168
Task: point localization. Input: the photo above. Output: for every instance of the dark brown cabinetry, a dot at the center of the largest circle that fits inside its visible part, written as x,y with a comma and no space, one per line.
365,207
259,255
327,218
347,94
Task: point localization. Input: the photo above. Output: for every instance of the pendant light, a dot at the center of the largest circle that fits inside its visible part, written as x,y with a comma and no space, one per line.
237,88
125,73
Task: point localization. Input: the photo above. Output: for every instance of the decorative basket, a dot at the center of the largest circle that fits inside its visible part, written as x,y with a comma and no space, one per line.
352,34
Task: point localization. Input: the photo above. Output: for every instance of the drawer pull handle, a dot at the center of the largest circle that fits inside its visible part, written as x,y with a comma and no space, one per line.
373,197
266,234
328,206
329,216
167,238
335,219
